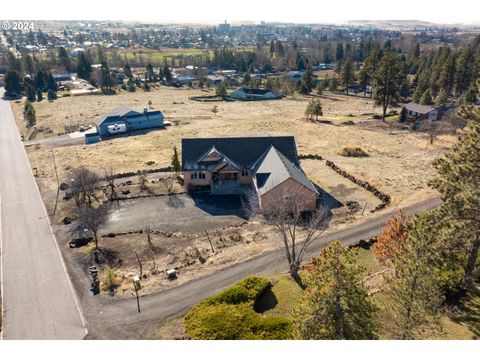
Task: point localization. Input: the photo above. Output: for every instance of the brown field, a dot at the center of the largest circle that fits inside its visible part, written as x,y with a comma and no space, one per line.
398,161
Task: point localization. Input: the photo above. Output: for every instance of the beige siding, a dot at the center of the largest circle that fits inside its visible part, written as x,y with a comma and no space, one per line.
187,175
305,197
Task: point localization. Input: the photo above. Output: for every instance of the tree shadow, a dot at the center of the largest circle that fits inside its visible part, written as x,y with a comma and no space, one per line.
175,202
266,301
469,312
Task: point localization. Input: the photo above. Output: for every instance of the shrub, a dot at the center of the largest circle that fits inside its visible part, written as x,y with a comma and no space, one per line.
353,152
110,280
247,290
231,315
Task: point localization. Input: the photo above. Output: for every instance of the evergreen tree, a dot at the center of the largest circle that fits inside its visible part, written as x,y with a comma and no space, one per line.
347,75
387,82
307,81
177,167
13,84
403,115
464,70
127,71
167,75
64,58
335,305
221,90
51,95
458,181
150,74
84,69
29,89
39,95
426,98
339,54
314,108
442,98
51,83
29,113
412,298
470,95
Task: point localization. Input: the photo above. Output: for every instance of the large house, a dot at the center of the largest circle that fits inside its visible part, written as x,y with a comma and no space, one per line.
265,166
123,119
244,93
421,112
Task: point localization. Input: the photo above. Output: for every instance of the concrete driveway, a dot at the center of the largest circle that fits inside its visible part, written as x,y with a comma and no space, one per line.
192,214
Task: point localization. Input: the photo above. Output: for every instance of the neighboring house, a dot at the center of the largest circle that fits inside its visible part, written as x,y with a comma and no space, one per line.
245,93
265,166
184,79
214,80
64,76
417,112
123,119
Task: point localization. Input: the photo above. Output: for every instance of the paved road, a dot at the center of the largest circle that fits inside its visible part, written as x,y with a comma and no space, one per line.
37,296
118,319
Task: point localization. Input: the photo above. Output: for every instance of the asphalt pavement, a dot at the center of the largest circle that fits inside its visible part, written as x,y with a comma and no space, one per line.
38,298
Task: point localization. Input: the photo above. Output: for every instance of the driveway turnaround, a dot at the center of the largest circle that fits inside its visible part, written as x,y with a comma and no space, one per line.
38,299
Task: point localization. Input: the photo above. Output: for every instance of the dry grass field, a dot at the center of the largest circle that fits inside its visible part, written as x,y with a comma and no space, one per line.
398,161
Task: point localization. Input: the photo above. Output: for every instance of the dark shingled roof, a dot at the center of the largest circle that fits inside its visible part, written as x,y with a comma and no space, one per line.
244,151
254,91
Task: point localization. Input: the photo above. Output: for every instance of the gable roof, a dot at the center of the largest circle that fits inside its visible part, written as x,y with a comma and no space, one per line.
244,151
420,109
274,168
120,111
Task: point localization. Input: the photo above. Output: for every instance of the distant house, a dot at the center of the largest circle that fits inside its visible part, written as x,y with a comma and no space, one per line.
184,79
123,119
421,112
244,93
265,166
214,80
67,76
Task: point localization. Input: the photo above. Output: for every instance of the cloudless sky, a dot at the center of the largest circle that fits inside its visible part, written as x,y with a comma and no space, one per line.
215,11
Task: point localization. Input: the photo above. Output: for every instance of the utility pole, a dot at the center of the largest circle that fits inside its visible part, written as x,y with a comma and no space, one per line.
136,286
58,182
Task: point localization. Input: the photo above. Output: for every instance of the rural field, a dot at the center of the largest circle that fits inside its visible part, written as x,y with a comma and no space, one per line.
398,161
398,164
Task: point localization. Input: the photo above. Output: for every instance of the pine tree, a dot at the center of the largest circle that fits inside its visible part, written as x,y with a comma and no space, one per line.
458,181
39,95
470,95
51,95
391,238
412,297
84,69
387,82
442,98
335,305
13,84
426,98
177,167
314,107
51,83
347,75
29,113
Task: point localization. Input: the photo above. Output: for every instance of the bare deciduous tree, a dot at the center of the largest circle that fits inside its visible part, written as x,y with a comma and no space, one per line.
110,178
169,185
434,130
298,229
93,218
83,183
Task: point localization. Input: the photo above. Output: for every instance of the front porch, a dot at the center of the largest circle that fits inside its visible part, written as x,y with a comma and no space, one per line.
227,183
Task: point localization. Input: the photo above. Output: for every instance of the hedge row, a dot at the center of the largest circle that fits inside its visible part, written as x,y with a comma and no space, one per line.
230,315
138,172
310,157
383,197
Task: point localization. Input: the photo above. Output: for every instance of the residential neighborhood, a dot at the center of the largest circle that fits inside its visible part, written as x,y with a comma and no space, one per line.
186,172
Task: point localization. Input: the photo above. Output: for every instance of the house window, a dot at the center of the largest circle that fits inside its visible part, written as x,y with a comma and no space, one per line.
198,175
244,172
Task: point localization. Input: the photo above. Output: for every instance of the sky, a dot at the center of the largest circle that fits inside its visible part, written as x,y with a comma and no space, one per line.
216,11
